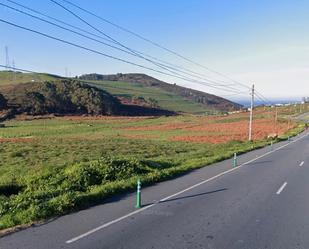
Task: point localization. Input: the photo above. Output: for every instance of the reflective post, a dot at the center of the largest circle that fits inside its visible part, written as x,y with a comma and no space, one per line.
138,195
235,160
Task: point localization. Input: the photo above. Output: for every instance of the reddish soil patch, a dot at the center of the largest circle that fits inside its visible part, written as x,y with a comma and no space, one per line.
214,139
234,131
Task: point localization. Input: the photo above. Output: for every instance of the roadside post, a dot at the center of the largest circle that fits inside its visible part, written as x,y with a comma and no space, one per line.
235,160
289,139
138,195
271,146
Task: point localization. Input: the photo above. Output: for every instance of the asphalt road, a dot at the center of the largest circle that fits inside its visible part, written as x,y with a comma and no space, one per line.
263,203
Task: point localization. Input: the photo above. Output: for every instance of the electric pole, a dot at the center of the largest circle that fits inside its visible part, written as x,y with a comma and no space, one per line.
251,113
276,119
7,59
14,72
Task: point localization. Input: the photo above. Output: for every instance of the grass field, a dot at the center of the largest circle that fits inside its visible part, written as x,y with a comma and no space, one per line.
166,100
53,165
9,78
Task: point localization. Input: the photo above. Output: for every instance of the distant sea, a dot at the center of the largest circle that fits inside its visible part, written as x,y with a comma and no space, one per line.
246,103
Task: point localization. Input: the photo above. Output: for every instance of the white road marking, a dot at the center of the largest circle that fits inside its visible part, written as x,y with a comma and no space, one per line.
178,193
281,188
301,164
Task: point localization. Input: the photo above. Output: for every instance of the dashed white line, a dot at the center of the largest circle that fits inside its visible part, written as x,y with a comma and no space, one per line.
301,164
180,192
281,188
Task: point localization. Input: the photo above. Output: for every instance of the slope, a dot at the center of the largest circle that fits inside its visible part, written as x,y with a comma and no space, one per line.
10,77
138,90
168,96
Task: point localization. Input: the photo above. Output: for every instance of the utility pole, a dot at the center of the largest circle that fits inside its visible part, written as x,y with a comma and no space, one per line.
14,72
276,120
251,113
7,59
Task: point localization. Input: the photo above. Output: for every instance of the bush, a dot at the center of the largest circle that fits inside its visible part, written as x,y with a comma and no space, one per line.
3,102
62,97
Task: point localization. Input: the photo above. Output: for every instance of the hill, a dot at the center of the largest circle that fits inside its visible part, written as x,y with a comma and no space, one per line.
62,97
13,77
139,93
168,96
66,97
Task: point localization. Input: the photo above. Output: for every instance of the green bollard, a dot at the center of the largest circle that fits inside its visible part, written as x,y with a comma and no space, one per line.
271,146
138,195
235,160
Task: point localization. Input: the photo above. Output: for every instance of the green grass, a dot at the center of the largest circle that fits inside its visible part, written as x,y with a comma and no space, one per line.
56,166
166,100
9,78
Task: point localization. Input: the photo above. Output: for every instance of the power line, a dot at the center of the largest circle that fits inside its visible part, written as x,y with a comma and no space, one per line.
173,67
153,43
57,20
107,55
98,36
267,100
18,69
235,94
262,98
67,29
80,34
97,84
136,53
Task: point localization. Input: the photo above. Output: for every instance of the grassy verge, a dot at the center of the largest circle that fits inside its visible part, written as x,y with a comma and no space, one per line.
56,191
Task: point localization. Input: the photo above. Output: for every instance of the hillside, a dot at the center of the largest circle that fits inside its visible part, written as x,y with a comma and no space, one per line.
66,97
138,92
10,77
141,84
62,97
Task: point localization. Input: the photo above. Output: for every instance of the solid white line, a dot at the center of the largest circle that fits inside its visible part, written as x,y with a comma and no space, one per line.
301,164
281,188
178,193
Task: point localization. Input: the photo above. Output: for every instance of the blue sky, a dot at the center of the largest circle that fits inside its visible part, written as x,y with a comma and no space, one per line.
261,42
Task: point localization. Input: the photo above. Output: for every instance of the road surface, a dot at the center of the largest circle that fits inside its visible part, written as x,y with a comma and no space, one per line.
263,203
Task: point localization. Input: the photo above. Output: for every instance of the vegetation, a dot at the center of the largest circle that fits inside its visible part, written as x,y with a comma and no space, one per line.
3,102
154,99
206,102
13,78
62,97
68,97
164,100
52,166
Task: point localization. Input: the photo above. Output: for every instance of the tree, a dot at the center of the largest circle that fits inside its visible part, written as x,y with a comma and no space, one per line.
3,102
